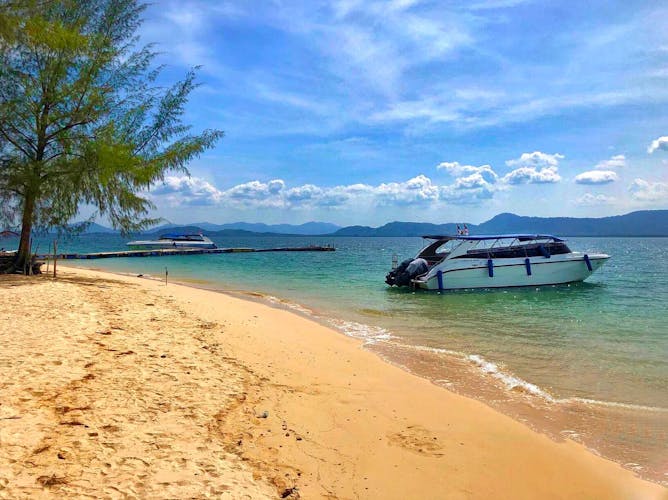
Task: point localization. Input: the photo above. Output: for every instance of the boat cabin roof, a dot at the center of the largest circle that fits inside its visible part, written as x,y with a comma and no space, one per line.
188,237
520,237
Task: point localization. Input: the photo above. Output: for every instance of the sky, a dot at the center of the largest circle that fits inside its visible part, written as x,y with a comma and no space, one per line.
365,112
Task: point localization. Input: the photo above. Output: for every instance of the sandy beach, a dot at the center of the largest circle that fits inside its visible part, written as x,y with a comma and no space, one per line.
114,386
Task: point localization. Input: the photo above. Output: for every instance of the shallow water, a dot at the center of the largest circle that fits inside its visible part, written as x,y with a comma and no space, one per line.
589,360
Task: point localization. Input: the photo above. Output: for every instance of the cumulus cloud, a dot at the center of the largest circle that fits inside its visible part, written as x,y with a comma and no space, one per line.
472,181
590,200
531,175
617,161
596,177
457,170
645,191
419,190
534,168
305,192
659,143
188,191
536,160
255,190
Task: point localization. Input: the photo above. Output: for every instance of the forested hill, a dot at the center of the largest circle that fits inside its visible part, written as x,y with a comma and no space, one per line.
640,223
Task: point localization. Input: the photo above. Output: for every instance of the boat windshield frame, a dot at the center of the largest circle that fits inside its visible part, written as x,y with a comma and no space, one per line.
467,243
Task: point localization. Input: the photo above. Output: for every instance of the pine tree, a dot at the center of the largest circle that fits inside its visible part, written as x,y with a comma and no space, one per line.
82,118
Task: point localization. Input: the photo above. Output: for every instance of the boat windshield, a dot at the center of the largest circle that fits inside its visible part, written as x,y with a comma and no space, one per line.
438,250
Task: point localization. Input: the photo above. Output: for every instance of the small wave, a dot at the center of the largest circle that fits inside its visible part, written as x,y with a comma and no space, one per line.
613,404
370,334
290,305
511,382
436,350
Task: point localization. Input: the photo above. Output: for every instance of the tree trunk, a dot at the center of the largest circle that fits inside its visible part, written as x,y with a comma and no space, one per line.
24,254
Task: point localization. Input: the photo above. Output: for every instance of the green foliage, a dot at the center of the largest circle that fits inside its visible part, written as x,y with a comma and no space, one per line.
82,120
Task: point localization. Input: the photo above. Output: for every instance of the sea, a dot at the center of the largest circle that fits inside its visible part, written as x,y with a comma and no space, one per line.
587,361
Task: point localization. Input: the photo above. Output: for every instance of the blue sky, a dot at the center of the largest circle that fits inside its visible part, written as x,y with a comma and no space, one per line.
363,112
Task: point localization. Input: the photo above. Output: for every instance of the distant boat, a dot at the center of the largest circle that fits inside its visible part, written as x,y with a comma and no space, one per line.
498,261
174,241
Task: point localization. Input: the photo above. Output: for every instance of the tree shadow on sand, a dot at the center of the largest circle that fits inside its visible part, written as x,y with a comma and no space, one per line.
14,280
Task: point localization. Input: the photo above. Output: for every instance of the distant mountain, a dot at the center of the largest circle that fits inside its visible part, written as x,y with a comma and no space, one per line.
192,229
93,227
307,229
399,229
641,223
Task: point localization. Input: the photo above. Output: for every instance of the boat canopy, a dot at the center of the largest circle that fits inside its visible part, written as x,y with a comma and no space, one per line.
520,237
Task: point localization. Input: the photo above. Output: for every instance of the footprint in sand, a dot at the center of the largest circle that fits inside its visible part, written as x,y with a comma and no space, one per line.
417,439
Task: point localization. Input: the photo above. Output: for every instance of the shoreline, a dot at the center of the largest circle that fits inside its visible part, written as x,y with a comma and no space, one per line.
584,421
358,425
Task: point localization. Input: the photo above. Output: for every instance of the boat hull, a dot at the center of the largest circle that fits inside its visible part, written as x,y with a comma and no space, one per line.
156,245
505,273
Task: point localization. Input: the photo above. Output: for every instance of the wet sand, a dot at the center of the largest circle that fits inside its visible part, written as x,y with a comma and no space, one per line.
117,386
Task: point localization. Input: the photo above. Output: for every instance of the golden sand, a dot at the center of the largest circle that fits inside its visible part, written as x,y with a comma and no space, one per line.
115,386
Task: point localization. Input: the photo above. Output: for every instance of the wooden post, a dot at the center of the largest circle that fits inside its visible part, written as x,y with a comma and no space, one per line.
55,250
30,259
166,273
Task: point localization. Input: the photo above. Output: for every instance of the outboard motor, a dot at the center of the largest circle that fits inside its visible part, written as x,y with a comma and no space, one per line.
406,271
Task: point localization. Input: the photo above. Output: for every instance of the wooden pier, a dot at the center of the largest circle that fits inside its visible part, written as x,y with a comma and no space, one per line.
164,252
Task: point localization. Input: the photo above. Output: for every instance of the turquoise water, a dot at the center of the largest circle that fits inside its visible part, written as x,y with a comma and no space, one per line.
601,344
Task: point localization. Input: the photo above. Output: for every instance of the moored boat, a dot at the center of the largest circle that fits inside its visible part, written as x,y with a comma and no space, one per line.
496,261
174,241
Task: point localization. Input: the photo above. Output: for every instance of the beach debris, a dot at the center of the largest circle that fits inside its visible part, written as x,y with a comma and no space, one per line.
52,480
264,414
106,332
290,493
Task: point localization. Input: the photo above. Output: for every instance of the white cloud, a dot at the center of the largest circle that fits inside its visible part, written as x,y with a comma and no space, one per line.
466,193
419,190
302,193
183,190
617,161
659,143
591,200
536,159
457,170
254,190
473,181
531,175
534,168
645,191
596,177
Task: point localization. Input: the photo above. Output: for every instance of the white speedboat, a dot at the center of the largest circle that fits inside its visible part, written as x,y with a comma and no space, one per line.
174,241
457,262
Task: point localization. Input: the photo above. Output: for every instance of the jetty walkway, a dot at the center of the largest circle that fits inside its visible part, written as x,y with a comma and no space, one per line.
163,252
